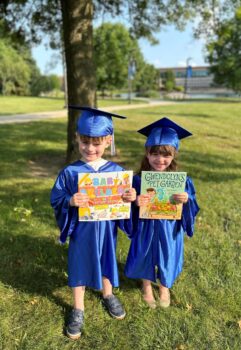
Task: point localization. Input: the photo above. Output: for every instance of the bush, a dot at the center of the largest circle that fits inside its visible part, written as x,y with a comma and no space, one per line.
179,88
148,94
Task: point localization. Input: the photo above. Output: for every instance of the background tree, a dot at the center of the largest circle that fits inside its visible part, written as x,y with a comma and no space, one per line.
224,53
146,80
169,81
71,22
18,68
46,84
113,46
14,72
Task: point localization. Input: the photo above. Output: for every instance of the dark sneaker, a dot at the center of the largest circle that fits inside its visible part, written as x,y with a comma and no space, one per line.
113,305
75,324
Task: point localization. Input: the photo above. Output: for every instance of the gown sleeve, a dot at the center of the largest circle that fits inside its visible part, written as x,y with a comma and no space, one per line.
66,216
190,209
126,226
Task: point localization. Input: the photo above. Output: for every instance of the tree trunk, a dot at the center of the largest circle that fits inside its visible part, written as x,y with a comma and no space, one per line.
78,47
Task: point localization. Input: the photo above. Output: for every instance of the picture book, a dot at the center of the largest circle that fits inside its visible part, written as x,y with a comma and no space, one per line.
161,186
104,192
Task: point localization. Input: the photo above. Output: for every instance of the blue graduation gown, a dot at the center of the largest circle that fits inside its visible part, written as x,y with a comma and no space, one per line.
156,249
92,245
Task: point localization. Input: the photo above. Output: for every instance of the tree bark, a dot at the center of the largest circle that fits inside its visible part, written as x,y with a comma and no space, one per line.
78,48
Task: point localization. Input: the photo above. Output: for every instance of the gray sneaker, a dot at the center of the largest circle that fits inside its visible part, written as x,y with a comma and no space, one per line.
114,306
75,324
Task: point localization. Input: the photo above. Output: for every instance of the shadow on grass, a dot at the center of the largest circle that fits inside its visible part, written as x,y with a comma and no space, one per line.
37,265
126,284
207,100
214,100
209,167
38,146
32,264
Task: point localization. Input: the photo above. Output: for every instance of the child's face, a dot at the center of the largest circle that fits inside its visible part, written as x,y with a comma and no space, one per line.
158,161
92,150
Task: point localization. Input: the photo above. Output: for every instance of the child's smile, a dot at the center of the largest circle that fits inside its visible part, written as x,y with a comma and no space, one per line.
158,161
91,150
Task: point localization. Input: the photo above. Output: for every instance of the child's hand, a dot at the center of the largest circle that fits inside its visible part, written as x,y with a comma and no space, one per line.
180,197
143,200
79,200
129,196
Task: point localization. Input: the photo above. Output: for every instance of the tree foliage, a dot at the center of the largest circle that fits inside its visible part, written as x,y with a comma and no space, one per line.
113,50
45,84
14,71
169,81
147,78
70,25
224,53
19,72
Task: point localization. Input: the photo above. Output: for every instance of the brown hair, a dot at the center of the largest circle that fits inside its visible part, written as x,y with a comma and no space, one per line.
164,150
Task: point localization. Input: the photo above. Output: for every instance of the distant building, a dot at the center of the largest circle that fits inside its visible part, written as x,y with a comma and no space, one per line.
192,79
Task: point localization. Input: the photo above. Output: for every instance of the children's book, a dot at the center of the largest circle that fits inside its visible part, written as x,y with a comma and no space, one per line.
161,186
104,191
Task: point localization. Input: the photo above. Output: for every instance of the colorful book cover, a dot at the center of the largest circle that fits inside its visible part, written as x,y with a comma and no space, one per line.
161,186
105,191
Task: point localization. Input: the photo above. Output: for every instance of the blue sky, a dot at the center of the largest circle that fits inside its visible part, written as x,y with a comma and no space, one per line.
173,50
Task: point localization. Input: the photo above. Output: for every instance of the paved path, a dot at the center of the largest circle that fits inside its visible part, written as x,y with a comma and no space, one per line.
23,118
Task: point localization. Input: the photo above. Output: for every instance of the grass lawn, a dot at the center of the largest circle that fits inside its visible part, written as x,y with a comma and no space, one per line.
21,105
34,298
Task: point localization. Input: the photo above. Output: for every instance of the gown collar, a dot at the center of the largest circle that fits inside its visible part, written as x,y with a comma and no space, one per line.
97,164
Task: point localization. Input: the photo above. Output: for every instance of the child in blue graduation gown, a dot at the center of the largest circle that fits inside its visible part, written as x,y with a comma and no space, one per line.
156,250
91,255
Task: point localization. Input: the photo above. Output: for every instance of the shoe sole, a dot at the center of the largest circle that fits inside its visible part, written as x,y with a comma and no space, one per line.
164,304
118,317
151,304
73,336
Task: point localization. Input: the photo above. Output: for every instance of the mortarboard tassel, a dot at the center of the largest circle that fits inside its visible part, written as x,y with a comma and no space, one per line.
112,146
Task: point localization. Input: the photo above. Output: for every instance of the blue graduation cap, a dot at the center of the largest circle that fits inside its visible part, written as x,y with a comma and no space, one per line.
96,123
164,132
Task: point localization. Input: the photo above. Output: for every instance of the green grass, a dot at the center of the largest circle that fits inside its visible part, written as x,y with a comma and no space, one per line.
21,105
10,105
34,298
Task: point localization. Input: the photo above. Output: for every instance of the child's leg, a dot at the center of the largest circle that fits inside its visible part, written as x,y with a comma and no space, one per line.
148,293
107,287
147,290
78,294
164,296
76,320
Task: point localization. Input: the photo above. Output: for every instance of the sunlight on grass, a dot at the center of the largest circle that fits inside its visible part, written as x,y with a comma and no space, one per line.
35,300
10,105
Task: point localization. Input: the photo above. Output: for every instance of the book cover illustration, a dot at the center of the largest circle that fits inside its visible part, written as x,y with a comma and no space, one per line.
105,191
161,186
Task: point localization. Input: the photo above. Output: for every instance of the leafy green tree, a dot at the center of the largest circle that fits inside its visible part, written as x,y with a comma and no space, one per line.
70,26
211,14
224,53
14,72
169,81
17,44
113,49
147,78
47,83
